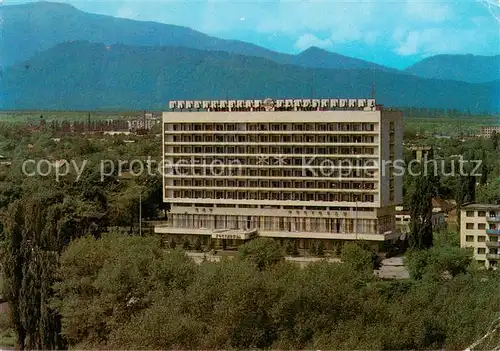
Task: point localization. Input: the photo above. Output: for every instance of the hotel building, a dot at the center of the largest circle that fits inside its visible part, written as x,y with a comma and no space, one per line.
480,230
288,169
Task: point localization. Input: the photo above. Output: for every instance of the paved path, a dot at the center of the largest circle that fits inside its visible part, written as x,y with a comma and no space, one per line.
392,268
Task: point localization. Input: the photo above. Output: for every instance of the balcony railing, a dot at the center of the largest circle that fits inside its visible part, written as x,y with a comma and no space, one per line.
493,243
493,231
493,219
493,256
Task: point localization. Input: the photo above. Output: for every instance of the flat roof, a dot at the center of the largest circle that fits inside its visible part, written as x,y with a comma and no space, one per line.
481,207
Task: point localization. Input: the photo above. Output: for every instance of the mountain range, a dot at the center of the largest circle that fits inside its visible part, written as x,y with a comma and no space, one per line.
83,75
65,58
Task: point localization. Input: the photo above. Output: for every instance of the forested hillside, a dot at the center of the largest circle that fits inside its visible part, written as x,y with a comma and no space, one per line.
464,68
86,76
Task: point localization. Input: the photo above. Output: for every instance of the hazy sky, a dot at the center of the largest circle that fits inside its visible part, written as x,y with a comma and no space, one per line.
394,33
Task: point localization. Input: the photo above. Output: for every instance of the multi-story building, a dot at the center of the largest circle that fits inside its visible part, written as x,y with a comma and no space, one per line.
480,229
146,123
488,131
291,169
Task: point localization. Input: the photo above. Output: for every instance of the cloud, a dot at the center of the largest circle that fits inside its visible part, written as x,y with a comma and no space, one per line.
433,41
428,11
126,12
307,40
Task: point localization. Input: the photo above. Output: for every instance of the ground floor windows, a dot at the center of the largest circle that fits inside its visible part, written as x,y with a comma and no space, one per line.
283,224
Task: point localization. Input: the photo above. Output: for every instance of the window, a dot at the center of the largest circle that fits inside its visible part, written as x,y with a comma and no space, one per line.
469,213
469,225
481,250
469,238
481,213
481,238
481,226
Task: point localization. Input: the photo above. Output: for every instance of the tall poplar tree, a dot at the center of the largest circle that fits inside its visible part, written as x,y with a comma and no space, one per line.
423,190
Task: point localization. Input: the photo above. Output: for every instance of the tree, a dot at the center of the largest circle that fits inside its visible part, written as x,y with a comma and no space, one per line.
357,258
438,262
423,190
495,138
117,280
262,252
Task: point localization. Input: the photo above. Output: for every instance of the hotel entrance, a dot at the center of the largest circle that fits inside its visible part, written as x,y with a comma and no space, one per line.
231,239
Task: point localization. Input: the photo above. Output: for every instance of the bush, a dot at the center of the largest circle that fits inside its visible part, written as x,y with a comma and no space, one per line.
197,245
438,262
262,252
312,249
173,244
357,258
291,248
320,249
186,245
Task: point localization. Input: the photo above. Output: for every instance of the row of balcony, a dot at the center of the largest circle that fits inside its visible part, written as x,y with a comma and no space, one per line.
493,244
493,219
493,231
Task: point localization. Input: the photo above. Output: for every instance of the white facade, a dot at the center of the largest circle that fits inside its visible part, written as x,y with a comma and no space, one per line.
305,174
480,229
143,123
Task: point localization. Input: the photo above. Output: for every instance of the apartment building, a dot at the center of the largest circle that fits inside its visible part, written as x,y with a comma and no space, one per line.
487,131
303,169
480,229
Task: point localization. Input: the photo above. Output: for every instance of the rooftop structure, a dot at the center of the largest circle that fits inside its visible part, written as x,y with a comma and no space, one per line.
273,105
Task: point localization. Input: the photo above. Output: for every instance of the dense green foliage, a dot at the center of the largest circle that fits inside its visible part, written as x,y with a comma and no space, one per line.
138,297
99,76
262,253
475,180
40,216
